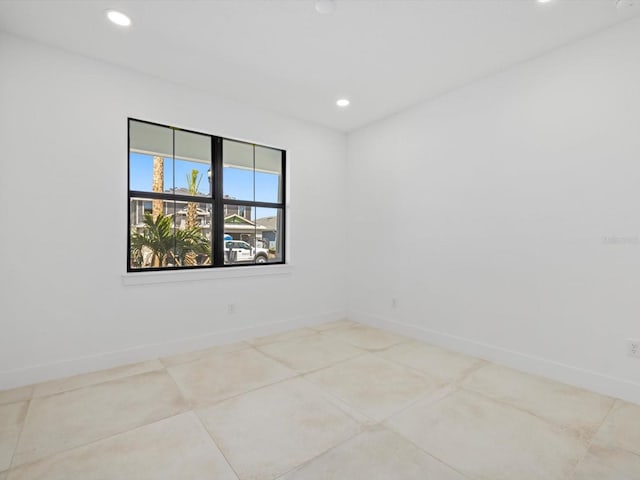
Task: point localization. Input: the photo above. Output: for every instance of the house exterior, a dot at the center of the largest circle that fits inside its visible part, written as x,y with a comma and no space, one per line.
237,220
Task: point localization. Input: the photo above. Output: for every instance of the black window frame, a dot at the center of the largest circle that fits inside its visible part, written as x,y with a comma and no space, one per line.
215,198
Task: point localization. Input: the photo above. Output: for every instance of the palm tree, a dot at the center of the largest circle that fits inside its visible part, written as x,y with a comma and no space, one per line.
157,185
157,245
193,182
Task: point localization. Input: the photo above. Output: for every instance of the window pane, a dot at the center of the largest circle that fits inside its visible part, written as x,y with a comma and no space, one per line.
141,173
268,175
192,222
150,164
159,240
239,234
150,139
269,232
237,158
152,235
253,234
192,163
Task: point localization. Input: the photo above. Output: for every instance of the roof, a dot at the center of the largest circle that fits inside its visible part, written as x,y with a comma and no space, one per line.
269,223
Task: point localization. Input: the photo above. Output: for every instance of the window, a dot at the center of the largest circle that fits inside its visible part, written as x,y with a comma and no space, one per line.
201,201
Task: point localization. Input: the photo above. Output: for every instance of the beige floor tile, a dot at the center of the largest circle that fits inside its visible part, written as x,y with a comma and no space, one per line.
374,386
602,463
8,441
66,420
16,395
94,378
217,377
310,352
362,336
435,361
198,354
269,431
335,324
279,337
171,449
562,404
488,440
12,414
621,428
374,455
11,419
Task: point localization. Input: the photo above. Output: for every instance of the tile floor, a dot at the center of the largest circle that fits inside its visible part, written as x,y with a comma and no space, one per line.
334,401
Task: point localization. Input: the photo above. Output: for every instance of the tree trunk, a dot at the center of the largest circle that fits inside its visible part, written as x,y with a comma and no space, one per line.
192,221
192,214
157,206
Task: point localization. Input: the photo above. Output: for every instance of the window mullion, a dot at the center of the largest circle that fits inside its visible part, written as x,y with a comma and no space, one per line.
218,204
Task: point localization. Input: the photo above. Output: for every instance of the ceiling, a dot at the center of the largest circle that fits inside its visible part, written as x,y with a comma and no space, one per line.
281,55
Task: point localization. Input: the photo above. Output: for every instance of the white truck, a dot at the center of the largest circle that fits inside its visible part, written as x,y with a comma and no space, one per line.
240,251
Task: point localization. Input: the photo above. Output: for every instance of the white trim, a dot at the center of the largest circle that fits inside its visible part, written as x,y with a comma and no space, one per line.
198,275
589,380
91,363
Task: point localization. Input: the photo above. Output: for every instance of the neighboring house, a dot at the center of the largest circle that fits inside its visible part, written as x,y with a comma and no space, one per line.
237,220
241,228
270,230
177,210
242,210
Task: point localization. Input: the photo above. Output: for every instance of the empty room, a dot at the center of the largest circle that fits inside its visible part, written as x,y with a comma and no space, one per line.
320,239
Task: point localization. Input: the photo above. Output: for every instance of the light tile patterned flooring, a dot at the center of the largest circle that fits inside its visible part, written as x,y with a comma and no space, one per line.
335,401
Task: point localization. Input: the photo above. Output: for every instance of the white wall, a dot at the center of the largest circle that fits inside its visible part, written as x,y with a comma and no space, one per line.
483,213
63,135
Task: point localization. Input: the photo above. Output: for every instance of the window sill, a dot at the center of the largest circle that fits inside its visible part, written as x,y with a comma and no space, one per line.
150,278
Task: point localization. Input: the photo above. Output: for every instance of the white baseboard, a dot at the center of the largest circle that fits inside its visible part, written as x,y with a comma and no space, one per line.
91,363
596,382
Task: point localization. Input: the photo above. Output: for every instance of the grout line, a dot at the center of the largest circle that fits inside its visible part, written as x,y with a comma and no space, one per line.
581,436
335,363
308,372
275,336
24,399
213,440
338,327
320,392
340,404
369,350
480,364
465,373
429,399
236,395
100,382
441,386
100,439
182,395
393,430
321,454
593,437
208,354
24,422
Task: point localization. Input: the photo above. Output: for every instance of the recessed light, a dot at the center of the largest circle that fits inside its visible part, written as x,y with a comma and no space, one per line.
325,7
118,18
544,1
343,102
